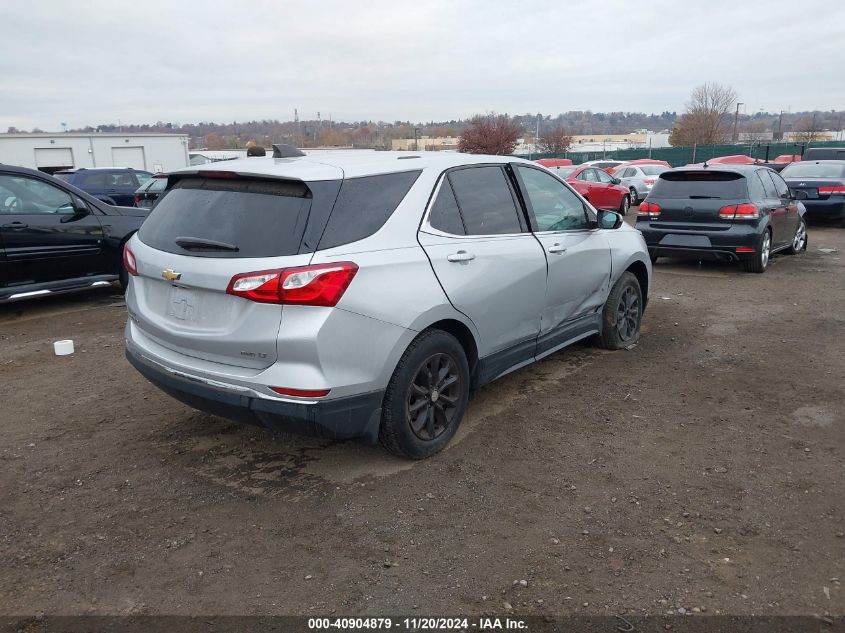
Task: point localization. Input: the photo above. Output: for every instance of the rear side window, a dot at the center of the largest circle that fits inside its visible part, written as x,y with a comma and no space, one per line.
755,187
700,184
780,185
445,215
258,218
485,199
364,205
768,185
93,180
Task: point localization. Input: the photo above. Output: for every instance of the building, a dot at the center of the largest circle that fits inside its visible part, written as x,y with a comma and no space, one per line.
426,143
603,143
67,150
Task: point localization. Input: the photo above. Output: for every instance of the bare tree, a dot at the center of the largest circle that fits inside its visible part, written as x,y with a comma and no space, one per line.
555,141
494,134
707,119
807,129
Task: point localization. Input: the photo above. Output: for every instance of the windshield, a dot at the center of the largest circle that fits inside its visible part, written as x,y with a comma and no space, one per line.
653,170
813,170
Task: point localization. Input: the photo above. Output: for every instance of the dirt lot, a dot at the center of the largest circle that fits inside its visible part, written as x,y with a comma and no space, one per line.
703,469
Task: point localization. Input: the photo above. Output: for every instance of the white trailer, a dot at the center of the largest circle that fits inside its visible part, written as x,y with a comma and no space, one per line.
66,150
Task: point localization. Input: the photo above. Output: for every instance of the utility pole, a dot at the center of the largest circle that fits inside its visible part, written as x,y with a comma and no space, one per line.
736,117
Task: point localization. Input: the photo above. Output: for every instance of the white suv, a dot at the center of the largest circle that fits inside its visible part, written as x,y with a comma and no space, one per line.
367,294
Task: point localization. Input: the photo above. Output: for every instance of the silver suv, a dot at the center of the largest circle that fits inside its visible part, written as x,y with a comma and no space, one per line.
367,294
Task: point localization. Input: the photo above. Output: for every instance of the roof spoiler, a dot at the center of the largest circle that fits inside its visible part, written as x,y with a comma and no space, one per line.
283,150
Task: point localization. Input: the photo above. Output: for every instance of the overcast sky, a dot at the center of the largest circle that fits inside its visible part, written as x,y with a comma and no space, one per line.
92,62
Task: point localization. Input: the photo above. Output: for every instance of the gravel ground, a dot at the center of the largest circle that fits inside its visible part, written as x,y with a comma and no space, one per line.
702,470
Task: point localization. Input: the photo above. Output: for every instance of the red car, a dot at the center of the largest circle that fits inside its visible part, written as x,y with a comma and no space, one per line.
601,190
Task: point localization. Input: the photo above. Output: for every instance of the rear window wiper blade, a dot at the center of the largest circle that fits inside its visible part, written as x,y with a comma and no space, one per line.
705,197
200,243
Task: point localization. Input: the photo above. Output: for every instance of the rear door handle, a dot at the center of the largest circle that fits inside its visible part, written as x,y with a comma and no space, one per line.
15,225
460,256
557,248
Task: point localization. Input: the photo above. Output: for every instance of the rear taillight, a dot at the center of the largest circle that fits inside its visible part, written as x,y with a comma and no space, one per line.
828,191
648,210
745,211
129,261
649,181
136,200
319,285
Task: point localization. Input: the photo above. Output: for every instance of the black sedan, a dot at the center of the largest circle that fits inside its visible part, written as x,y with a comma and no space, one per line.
727,212
820,185
55,237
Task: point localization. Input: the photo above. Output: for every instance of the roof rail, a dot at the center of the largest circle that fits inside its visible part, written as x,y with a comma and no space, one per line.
283,150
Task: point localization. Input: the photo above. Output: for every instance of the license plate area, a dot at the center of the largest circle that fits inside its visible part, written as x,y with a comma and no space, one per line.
181,304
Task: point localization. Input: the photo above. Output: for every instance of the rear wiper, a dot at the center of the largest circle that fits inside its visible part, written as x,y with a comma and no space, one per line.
705,197
199,243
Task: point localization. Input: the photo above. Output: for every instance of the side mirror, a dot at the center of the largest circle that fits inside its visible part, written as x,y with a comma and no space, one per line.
609,219
76,212
616,181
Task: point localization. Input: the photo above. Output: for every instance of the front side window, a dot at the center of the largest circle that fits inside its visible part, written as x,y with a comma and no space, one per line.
485,200
121,179
604,177
554,206
20,194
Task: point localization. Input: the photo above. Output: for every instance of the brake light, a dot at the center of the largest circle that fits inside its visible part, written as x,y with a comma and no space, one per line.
129,261
649,181
136,200
217,174
649,210
745,211
319,285
301,393
828,191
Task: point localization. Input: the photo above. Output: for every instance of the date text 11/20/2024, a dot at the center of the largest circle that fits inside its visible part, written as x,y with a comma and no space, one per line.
418,624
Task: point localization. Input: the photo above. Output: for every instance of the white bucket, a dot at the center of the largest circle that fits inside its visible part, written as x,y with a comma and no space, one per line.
63,348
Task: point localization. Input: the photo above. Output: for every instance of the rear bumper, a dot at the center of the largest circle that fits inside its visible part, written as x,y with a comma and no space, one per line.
832,208
704,244
340,418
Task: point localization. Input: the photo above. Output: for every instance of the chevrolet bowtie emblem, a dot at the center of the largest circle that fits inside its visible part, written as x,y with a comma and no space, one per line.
171,275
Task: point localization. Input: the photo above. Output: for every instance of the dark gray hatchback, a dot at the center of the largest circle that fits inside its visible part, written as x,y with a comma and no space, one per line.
732,212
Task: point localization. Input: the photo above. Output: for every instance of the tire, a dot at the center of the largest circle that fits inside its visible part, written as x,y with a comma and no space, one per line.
624,205
622,313
410,391
123,278
635,197
799,242
759,261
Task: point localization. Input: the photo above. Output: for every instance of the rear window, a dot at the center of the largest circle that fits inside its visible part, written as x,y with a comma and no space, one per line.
364,205
813,170
653,170
259,218
158,184
700,184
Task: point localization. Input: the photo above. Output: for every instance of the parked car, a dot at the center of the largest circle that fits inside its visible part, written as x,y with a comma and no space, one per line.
601,189
824,153
820,186
727,212
148,193
637,161
116,186
55,237
367,296
554,162
606,164
639,179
